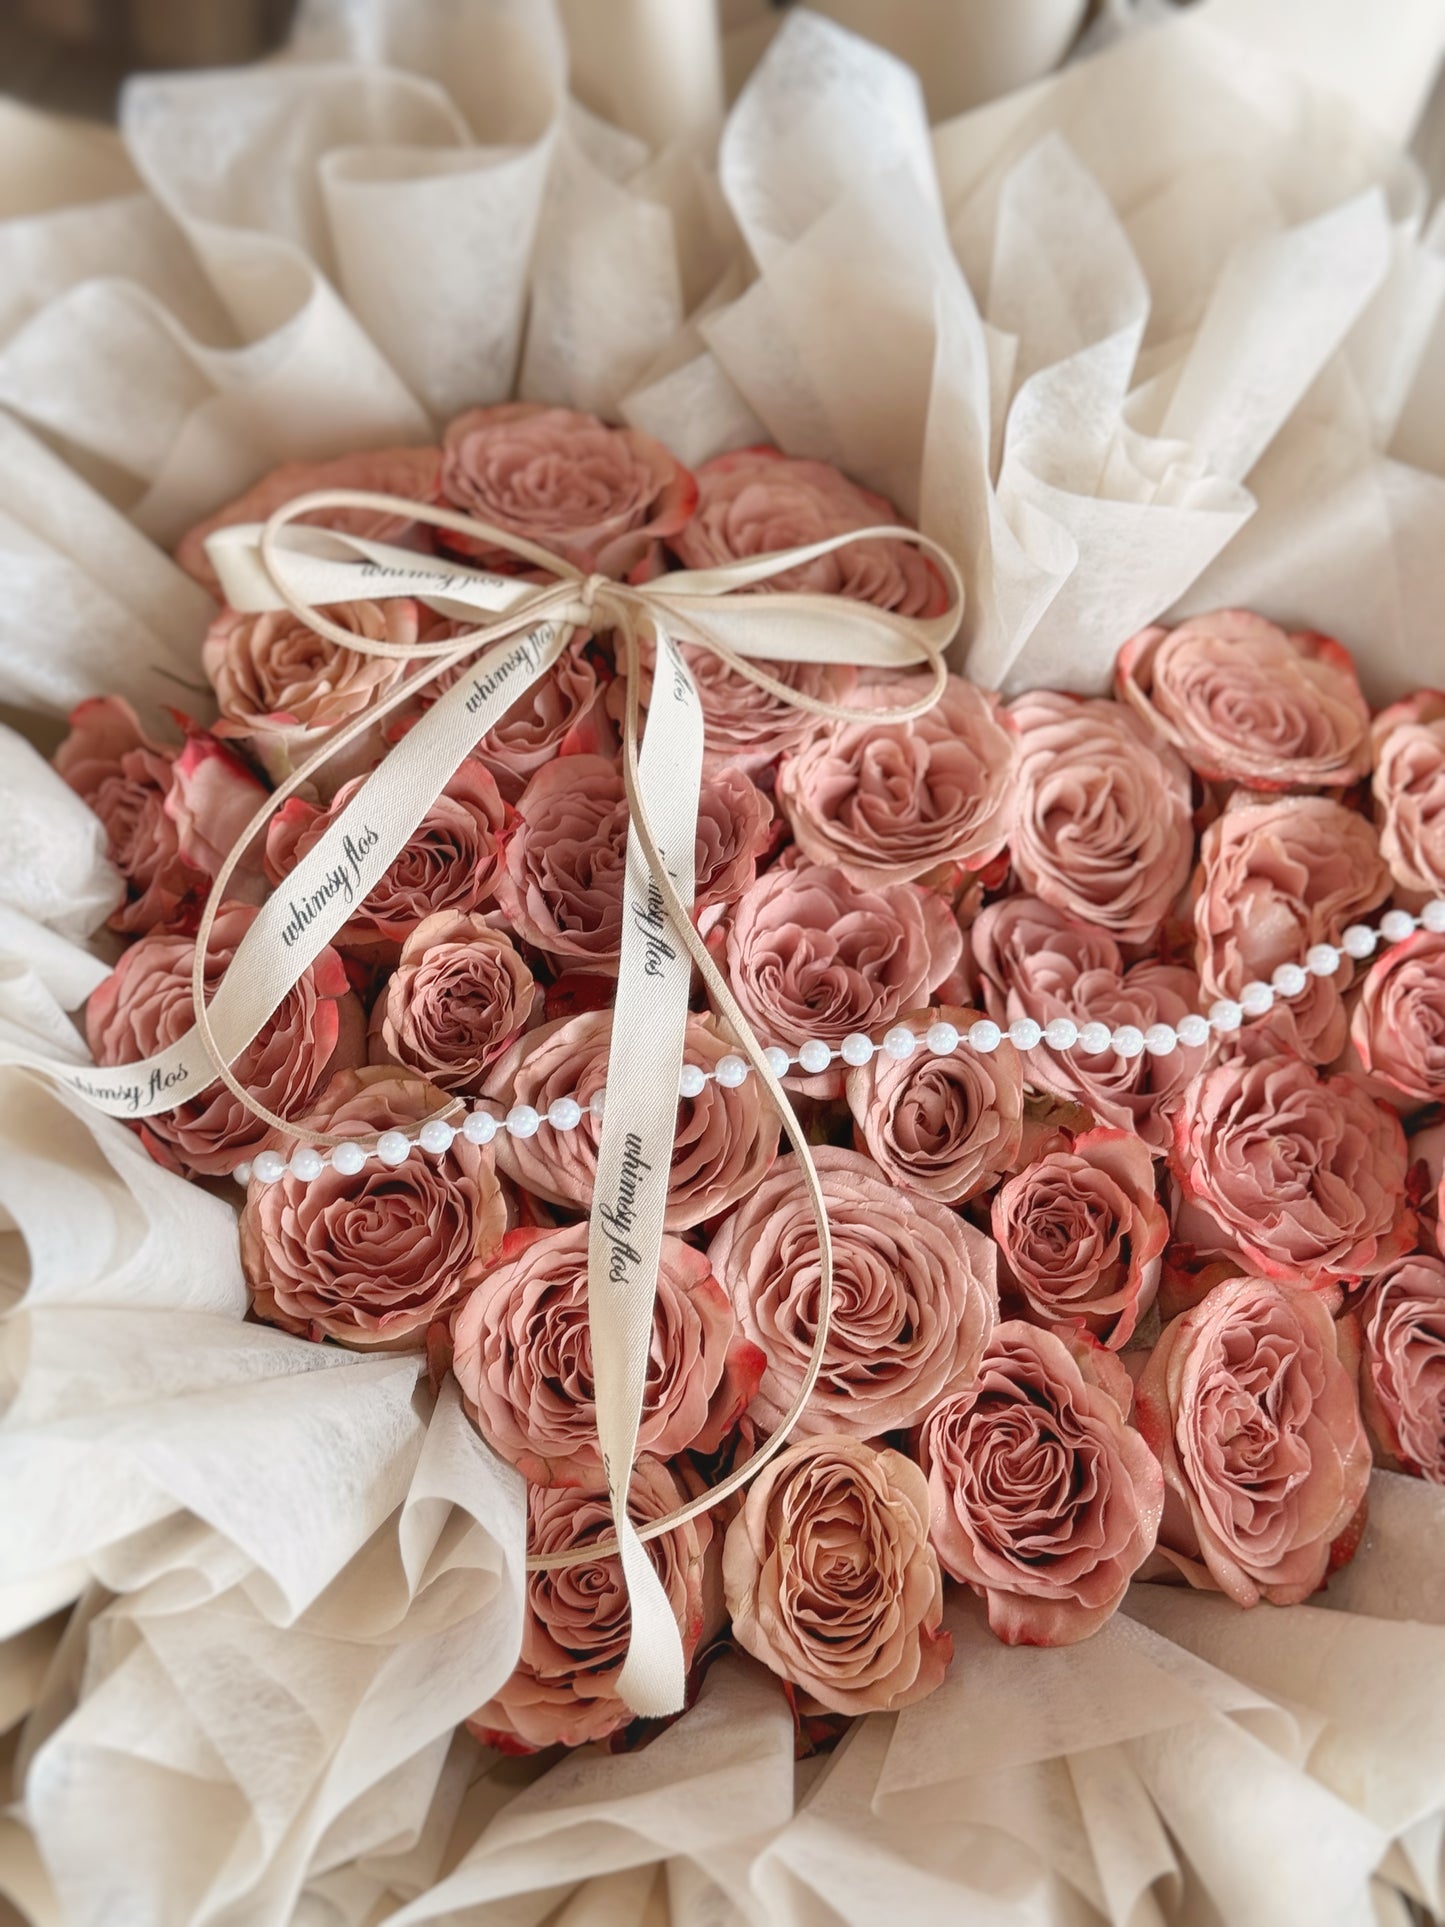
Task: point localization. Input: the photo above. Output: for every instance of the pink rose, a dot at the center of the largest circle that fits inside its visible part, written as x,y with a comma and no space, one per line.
576,1625
450,863
562,886
1103,826
1401,1318
944,1128
831,1581
810,954
757,500
725,1142
888,803
458,997
1042,1497
1409,785
169,818
522,1354
372,1260
562,714
1081,1235
145,1005
1247,1406
1303,1176
914,1296
1398,1026
600,497
412,472
748,728
1275,878
1244,701
1036,964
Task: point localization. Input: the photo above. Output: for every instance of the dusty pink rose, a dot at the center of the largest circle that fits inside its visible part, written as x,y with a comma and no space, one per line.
451,861
887,803
1274,878
1401,1318
372,1260
914,1296
757,500
562,714
1300,1175
1081,1235
522,1353
725,1142
1244,701
412,472
831,1581
169,817
1254,1418
457,999
145,1005
945,1128
600,497
1042,1496
1035,963
1398,1026
562,886
748,728
576,1623
1103,822
1409,786
809,954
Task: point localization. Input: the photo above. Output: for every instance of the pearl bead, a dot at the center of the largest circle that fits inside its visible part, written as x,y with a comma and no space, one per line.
1160,1039
269,1167
1128,1040
1396,925
242,1172
900,1043
1193,1030
731,1071
393,1147
1433,916
523,1121
692,1081
436,1136
306,1163
942,1037
1358,941
597,1103
857,1049
1024,1033
1290,979
1256,999
564,1114
1225,1015
984,1036
815,1056
348,1158
480,1127
1095,1039
777,1060
1061,1033
1322,960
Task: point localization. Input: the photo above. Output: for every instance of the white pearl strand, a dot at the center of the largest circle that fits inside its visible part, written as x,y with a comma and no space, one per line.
1224,1017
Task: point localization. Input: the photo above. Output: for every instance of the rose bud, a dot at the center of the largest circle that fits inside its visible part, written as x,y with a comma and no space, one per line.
914,1296
1103,825
1244,701
1398,1026
1301,1176
457,999
576,1621
1401,1323
1043,1498
944,1128
600,497
831,1581
145,1005
726,1136
1409,786
1081,1235
522,1354
372,1260
1246,1404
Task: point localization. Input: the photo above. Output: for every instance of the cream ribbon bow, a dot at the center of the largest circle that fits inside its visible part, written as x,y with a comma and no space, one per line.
303,569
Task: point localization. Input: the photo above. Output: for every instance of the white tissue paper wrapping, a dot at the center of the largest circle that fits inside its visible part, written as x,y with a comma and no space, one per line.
1160,333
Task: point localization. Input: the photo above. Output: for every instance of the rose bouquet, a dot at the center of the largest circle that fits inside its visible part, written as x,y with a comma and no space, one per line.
1107,1080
